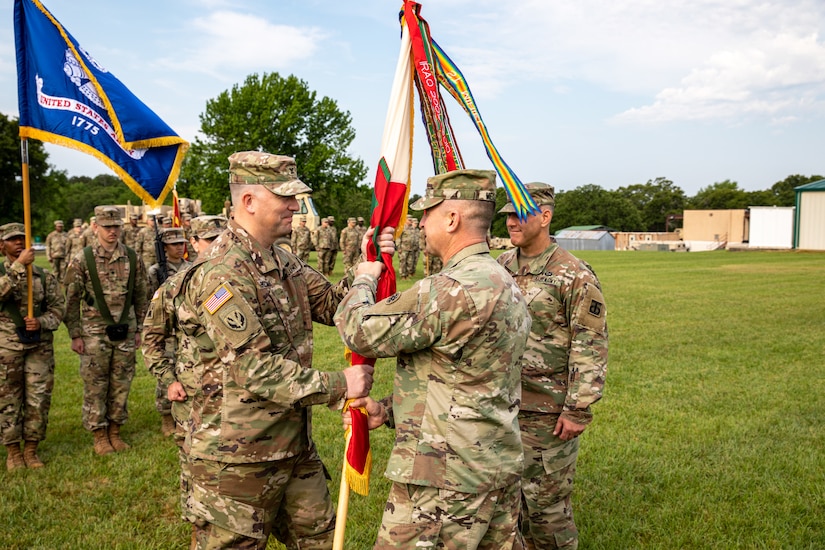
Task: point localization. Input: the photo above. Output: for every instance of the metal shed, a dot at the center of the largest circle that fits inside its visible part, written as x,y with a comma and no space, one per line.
810,216
771,227
585,240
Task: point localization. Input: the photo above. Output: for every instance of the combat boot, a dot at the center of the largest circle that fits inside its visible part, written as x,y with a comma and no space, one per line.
102,445
14,460
114,438
30,455
167,425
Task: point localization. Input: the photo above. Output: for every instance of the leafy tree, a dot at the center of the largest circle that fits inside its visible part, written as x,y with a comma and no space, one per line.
280,115
724,195
80,195
592,205
42,180
783,191
655,200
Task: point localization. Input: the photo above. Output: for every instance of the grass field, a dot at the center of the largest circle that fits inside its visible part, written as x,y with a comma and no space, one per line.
710,433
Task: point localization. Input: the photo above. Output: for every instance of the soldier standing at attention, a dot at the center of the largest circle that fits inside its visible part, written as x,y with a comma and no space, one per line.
170,355
334,256
89,234
301,240
350,243
57,243
459,336
75,243
105,295
360,227
26,350
130,233
563,370
325,248
174,245
408,248
250,306
146,242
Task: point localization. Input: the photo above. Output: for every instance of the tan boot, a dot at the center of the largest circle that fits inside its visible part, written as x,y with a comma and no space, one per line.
114,438
30,455
14,460
102,445
167,425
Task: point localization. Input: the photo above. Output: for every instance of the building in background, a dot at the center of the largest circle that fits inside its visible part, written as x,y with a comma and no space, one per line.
809,231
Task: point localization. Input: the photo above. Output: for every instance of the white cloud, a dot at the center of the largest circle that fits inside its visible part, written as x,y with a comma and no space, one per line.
238,43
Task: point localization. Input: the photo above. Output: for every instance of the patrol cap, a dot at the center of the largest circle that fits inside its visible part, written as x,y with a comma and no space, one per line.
330,219
134,216
351,220
278,173
58,222
472,185
77,222
360,219
208,227
301,218
542,193
186,217
172,235
106,216
12,230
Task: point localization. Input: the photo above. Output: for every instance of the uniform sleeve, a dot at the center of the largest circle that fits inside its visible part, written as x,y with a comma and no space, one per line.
587,361
75,283
244,347
403,323
158,328
55,305
324,297
139,294
9,281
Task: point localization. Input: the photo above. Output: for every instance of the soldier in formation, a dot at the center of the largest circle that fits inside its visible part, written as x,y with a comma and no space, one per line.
146,242
325,246
359,225
57,244
105,296
459,336
174,246
408,246
432,263
76,240
130,233
563,369
350,243
89,234
251,305
301,240
169,353
26,349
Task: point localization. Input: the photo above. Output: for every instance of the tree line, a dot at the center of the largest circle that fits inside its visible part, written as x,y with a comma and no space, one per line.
279,114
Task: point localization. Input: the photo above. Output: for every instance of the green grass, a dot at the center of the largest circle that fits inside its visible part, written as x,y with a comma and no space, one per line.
709,434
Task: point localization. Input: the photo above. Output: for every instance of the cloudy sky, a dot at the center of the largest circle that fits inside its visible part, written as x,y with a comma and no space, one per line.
573,92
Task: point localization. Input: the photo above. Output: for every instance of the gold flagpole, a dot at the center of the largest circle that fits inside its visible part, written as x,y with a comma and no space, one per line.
27,219
343,502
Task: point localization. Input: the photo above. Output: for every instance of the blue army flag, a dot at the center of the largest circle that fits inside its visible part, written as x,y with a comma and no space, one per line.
66,97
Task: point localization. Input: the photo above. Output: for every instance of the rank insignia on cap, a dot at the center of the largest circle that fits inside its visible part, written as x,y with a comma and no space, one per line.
218,298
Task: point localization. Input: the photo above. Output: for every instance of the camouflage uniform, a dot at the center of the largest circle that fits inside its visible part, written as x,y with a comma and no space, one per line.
129,235
563,373
250,309
408,245
362,230
170,356
301,242
89,233
57,243
76,241
457,460
350,244
107,367
26,370
326,250
162,403
146,245
432,263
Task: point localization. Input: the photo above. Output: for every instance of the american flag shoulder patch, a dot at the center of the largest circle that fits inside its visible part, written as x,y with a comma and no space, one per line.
221,295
